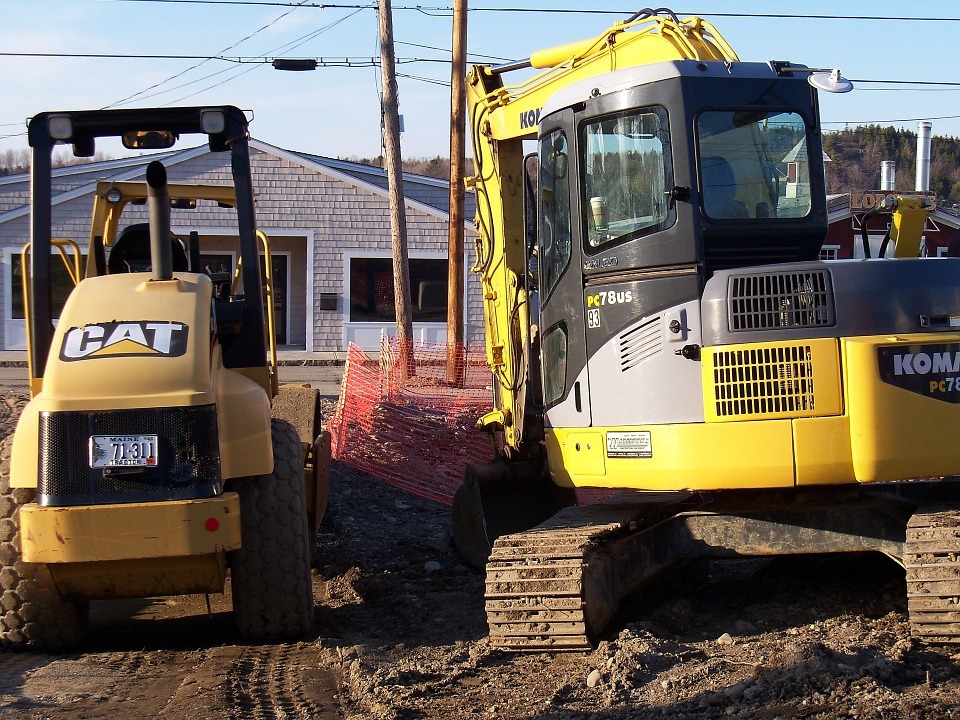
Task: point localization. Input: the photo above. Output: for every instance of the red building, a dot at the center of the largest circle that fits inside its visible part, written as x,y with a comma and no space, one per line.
845,215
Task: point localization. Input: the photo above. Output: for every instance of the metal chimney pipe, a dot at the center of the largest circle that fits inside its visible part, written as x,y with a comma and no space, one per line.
924,133
888,175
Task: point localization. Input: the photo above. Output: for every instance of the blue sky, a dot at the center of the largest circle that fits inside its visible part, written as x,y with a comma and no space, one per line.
335,111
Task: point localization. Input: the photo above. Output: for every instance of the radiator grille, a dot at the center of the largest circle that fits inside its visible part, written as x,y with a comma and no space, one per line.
640,343
781,300
763,381
188,467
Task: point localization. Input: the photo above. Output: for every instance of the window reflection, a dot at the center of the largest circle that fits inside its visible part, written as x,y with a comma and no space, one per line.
754,164
625,176
555,234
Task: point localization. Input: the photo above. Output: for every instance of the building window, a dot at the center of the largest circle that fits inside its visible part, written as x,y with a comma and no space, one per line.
60,284
371,290
829,252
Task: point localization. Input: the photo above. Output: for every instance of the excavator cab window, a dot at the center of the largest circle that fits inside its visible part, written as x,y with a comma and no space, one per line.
753,164
555,222
625,176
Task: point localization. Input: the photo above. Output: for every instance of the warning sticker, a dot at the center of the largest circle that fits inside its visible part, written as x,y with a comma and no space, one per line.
629,444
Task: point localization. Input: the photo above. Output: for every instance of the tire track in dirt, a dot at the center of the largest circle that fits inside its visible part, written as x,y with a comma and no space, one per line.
280,682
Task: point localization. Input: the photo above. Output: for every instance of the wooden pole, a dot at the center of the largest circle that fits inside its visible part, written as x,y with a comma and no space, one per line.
458,101
398,219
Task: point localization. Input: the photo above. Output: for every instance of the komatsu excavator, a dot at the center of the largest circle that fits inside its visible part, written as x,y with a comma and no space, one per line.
658,324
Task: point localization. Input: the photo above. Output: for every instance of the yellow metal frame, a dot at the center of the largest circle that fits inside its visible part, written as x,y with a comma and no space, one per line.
128,531
63,245
271,331
907,224
106,214
694,456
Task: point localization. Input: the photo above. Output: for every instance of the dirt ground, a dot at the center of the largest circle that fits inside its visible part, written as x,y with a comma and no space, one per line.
400,633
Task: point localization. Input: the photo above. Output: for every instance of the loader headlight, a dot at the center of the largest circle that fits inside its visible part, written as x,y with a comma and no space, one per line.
113,195
60,127
213,122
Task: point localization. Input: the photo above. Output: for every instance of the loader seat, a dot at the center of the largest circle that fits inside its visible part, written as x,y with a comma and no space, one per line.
131,251
720,190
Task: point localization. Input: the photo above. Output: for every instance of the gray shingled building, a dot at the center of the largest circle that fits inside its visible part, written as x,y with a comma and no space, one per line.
329,226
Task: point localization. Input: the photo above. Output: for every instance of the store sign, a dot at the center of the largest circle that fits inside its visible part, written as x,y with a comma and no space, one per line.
869,199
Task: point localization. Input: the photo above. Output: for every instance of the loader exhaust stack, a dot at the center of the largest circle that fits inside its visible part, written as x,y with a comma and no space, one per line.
158,204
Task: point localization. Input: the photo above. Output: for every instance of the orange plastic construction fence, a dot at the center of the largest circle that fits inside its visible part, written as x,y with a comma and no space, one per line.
401,420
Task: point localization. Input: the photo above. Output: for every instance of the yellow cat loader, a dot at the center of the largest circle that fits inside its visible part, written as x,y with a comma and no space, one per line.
147,462
658,323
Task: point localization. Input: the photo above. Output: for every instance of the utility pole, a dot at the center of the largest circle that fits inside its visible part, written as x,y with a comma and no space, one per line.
398,218
458,101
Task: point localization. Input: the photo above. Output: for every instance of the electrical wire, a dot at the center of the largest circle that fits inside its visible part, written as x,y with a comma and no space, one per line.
432,81
450,52
127,99
424,9
881,122
286,47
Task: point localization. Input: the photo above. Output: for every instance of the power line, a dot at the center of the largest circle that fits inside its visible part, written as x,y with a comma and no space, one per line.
432,81
338,61
286,47
570,11
193,67
121,56
908,82
362,61
882,122
449,52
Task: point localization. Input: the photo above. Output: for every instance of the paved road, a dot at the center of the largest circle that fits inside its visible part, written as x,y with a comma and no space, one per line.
325,378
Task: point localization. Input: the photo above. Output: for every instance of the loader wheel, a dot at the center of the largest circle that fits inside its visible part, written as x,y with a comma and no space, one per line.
272,585
33,616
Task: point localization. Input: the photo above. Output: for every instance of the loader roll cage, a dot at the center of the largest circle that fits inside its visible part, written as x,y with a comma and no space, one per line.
226,130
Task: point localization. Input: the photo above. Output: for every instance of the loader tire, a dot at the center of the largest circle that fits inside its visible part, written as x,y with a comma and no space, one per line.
33,616
270,573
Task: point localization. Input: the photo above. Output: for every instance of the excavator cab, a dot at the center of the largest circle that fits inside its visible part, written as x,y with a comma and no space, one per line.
643,206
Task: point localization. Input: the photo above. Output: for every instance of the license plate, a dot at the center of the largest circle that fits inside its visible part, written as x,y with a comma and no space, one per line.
111,451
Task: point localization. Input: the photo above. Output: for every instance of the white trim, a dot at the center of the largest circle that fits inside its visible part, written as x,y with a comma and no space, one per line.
8,321
310,317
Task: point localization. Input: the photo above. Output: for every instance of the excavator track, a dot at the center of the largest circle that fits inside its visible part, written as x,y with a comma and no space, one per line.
932,560
535,579
554,587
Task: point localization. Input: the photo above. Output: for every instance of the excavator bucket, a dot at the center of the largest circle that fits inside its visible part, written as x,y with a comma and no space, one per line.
499,498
